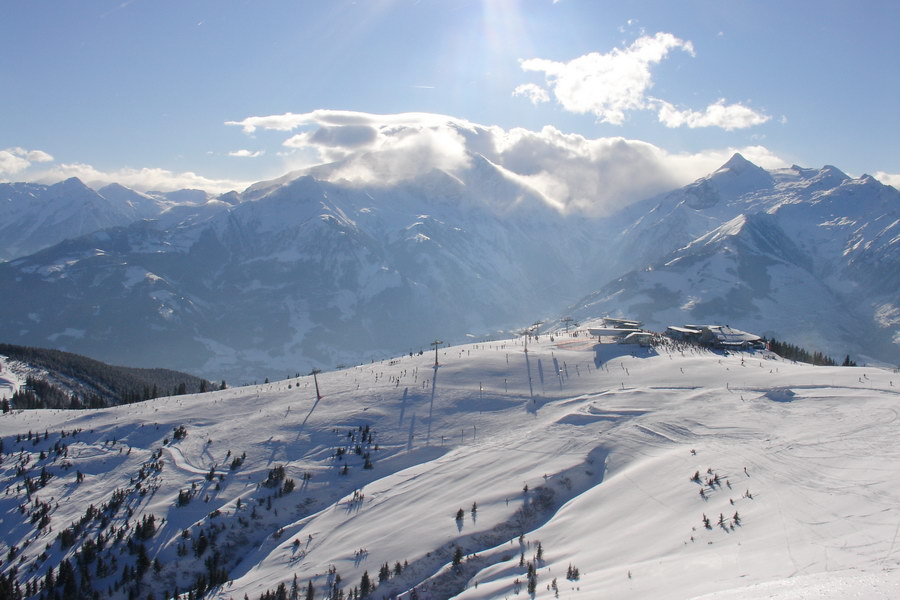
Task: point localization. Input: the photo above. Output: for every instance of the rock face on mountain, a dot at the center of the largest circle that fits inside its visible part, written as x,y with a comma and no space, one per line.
300,272
812,256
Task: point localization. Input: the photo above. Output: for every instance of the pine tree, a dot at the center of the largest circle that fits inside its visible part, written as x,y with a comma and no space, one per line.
457,556
295,589
532,582
365,586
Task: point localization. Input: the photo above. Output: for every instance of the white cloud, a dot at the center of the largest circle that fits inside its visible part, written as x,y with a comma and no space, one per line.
533,92
242,153
611,85
29,165
718,114
11,164
15,160
888,178
572,172
33,155
145,179
608,85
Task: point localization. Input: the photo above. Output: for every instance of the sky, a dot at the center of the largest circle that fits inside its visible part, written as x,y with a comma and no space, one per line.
213,94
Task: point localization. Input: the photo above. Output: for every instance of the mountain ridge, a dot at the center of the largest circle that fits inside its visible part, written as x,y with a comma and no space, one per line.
320,272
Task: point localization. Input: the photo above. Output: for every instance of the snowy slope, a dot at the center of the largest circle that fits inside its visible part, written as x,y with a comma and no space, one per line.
606,439
10,379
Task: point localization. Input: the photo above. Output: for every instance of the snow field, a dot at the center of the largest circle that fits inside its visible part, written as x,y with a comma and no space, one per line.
603,440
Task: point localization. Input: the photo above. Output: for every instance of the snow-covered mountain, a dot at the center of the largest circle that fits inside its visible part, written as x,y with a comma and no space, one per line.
577,470
36,216
812,256
309,270
304,272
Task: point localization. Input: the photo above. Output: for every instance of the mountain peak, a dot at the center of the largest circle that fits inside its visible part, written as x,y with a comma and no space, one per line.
738,164
739,176
71,183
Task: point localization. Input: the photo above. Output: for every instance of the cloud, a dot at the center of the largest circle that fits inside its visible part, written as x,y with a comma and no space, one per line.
335,136
888,178
246,153
11,164
608,85
533,92
145,179
611,85
32,165
717,114
15,160
570,172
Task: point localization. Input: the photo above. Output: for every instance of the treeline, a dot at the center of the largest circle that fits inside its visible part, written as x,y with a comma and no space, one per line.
793,352
94,384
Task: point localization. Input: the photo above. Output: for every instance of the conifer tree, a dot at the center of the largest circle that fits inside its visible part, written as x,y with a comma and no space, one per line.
365,585
457,556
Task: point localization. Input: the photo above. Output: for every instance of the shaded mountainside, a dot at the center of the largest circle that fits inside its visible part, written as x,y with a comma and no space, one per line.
56,376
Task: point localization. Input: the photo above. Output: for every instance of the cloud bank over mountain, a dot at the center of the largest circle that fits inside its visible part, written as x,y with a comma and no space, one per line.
572,172
40,167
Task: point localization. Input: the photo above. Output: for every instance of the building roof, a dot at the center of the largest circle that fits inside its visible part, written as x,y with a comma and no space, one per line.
727,335
637,337
621,323
685,329
614,331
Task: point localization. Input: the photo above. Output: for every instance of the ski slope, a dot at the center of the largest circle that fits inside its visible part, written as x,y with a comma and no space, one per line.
605,437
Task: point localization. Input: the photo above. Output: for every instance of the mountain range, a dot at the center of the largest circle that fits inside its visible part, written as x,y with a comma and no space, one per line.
313,271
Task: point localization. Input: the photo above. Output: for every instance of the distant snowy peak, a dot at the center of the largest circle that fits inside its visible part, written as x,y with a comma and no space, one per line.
141,205
755,234
183,196
739,176
480,185
36,216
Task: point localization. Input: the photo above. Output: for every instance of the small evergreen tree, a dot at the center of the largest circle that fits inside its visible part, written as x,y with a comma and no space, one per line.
457,556
365,585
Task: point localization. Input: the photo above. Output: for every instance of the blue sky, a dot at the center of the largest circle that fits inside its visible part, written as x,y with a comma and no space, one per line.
163,94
